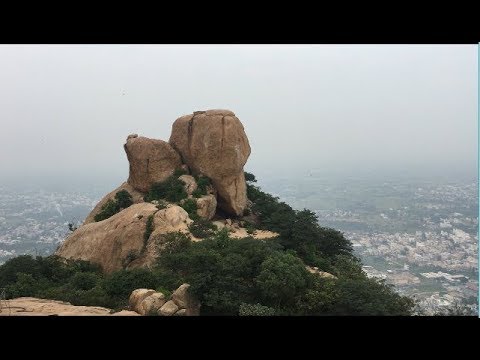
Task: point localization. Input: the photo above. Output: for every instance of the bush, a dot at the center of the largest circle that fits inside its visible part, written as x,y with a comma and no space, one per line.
172,190
197,193
124,199
179,172
282,279
190,206
175,242
109,209
84,281
202,228
203,183
249,177
249,227
255,310
25,285
119,285
150,226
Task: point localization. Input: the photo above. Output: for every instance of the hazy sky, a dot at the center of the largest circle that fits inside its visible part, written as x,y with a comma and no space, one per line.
67,109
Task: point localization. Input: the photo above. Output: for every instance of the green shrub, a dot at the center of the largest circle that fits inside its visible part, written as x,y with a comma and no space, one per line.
203,183
25,285
109,209
175,242
179,172
255,310
249,177
202,228
197,193
84,281
282,279
190,206
150,226
124,199
172,190
249,227
120,284
161,205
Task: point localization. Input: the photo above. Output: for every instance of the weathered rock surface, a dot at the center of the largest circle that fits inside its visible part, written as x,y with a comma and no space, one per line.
126,313
152,304
29,306
168,309
323,274
112,241
181,296
214,143
137,197
137,296
206,206
190,183
151,161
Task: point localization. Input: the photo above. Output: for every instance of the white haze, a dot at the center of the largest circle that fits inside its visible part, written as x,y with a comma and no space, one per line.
66,110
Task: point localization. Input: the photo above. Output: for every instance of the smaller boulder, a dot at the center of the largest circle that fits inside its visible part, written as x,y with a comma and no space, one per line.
168,309
206,206
190,183
126,313
137,296
181,312
152,304
181,296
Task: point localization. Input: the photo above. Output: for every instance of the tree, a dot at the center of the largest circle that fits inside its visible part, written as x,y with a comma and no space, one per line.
369,297
249,177
124,199
109,209
282,279
255,310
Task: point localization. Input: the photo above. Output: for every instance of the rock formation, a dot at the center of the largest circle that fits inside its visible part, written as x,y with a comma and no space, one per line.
151,161
214,143
110,242
190,183
207,205
211,143
137,197
150,302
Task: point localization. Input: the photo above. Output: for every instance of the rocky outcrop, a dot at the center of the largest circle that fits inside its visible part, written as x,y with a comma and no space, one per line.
150,302
184,300
168,309
137,197
137,296
214,143
323,274
211,143
151,161
206,206
112,242
190,183
29,306
172,219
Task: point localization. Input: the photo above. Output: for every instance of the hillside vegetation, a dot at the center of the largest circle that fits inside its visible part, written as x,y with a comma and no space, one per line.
228,276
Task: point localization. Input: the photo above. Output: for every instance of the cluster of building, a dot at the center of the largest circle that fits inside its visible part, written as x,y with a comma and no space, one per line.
35,222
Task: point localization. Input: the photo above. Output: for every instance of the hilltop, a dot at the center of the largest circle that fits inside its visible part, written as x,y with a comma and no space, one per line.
190,216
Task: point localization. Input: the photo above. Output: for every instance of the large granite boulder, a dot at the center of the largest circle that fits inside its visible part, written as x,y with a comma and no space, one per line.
112,242
151,161
214,143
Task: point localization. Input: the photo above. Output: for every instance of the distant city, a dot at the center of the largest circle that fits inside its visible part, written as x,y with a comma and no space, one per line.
420,236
